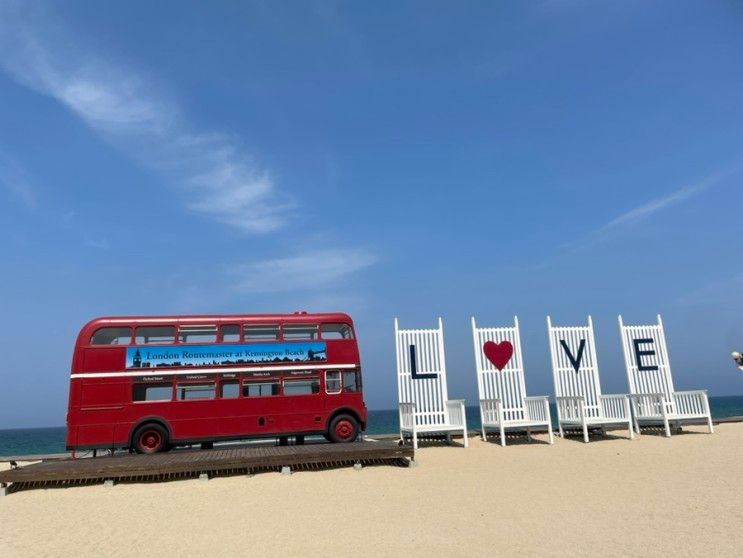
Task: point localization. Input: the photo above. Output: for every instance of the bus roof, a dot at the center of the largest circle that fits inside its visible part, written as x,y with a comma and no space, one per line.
295,317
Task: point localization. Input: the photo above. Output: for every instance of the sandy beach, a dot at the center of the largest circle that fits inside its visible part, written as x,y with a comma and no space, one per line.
651,496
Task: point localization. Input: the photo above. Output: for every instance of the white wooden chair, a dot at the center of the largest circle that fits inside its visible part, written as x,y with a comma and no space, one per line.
421,383
500,383
580,403
651,384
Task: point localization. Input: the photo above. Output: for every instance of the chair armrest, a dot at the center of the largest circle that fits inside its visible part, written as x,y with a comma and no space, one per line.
691,392
571,407
615,406
648,404
407,415
456,412
491,411
693,402
537,407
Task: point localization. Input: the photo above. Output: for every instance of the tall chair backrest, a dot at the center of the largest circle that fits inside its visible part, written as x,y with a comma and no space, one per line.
646,359
574,366
421,373
500,367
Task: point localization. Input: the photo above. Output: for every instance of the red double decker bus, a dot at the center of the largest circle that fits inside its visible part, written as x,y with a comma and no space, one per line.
149,383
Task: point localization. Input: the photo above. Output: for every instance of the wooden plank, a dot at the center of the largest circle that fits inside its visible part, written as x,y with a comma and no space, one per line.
196,461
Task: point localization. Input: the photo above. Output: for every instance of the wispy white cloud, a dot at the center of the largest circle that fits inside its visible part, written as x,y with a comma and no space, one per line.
13,177
101,244
311,271
652,207
217,178
727,291
647,211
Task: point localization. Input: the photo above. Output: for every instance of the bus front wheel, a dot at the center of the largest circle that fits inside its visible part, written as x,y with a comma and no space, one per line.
150,438
343,428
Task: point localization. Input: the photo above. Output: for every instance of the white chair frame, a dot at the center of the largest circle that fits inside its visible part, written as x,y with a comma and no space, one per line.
580,403
424,404
503,401
654,400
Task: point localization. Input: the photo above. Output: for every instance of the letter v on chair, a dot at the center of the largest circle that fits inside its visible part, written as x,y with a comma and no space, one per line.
575,370
425,407
500,383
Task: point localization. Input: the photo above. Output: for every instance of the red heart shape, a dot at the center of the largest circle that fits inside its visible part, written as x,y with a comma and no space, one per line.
498,353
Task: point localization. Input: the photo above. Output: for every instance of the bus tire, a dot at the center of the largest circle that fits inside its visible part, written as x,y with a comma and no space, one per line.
150,438
343,428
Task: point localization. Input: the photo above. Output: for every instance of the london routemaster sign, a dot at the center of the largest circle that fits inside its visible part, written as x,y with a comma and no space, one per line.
218,355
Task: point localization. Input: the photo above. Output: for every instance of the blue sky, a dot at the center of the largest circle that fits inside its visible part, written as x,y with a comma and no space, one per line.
385,159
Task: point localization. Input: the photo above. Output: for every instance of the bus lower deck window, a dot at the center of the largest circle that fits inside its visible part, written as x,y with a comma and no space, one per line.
333,381
229,390
152,392
302,387
190,392
350,381
260,389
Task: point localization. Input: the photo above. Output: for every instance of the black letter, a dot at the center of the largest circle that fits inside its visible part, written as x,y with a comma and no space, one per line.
414,367
639,354
574,361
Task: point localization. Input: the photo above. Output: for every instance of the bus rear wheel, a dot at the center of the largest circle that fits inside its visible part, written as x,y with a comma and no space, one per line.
343,428
150,438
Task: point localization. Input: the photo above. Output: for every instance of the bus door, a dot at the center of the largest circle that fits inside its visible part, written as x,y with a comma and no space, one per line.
303,402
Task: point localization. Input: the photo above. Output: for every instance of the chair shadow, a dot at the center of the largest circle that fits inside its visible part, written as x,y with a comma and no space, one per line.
653,430
596,435
517,439
434,442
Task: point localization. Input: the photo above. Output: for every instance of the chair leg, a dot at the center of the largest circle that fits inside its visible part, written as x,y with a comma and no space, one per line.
528,433
502,435
484,435
559,428
629,427
585,432
464,437
551,435
637,425
448,438
415,441
709,423
667,427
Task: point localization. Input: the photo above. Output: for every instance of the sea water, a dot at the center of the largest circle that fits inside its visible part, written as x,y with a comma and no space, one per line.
42,441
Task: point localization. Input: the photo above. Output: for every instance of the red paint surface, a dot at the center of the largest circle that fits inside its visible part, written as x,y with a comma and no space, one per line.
101,412
498,353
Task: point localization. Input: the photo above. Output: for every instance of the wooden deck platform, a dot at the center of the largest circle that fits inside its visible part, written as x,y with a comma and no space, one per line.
222,461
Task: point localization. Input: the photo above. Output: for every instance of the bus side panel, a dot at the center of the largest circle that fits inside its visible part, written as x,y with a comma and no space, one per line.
104,359
343,351
97,407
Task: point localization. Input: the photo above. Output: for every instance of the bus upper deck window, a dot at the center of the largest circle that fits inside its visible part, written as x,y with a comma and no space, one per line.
304,332
230,333
112,336
197,334
336,331
261,332
155,335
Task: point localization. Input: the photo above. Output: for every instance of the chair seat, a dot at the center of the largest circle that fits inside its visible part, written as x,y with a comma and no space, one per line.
434,428
595,420
517,423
